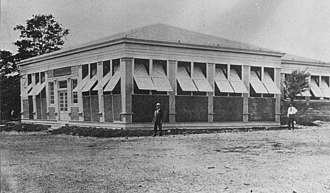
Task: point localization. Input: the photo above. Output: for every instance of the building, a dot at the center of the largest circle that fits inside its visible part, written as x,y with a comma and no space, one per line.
200,80
314,103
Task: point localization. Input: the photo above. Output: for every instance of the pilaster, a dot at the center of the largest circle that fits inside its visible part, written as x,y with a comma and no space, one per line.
47,93
277,79
100,91
210,77
80,99
34,97
126,70
246,71
172,71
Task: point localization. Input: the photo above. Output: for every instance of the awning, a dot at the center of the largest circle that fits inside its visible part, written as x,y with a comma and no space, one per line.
236,82
238,87
270,84
325,88
221,81
37,89
160,79
144,83
256,84
113,81
142,78
200,81
26,90
162,84
272,88
102,82
306,93
89,84
224,86
316,89
184,80
81,84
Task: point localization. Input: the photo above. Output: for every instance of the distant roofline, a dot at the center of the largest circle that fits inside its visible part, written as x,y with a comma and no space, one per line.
293,59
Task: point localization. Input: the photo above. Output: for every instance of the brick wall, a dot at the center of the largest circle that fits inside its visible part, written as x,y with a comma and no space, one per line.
74,113
41,108
51,113
143,107
191,108
261,109
26,109
112,107
91,108
227,109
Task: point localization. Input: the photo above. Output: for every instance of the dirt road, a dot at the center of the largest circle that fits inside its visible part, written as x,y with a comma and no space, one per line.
258,161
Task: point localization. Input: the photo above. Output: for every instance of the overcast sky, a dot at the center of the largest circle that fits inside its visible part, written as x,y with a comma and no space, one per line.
300,27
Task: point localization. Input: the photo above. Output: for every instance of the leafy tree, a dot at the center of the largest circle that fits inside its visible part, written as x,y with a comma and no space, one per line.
9,86
41,34
296,83
7,63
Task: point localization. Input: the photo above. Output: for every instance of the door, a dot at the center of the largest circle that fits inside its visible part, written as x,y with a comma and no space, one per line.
63,105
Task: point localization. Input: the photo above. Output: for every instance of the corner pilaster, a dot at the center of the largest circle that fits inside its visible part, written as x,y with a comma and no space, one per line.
126,68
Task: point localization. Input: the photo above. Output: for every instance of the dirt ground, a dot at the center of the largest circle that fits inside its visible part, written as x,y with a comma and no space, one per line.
258,161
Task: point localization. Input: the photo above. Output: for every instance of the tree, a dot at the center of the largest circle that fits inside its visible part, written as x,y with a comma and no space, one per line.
41,34
7,63
296,83
9,86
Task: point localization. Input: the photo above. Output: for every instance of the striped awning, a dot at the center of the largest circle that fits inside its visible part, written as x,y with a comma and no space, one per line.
184,80
142,78
200,81
316,90
160,79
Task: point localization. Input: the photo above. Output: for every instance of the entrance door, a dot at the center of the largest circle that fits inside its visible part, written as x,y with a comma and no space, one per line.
63,105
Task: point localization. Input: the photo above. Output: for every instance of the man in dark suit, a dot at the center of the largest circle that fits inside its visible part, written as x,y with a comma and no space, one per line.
158,120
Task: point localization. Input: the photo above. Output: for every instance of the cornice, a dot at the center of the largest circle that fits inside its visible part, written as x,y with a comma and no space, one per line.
93,46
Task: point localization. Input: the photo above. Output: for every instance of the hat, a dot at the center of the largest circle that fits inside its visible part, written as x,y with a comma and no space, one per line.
157,104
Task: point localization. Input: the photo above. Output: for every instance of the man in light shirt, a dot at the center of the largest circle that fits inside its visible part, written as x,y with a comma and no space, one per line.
291,114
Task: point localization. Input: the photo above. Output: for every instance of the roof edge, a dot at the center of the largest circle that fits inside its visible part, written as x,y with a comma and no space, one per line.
88,47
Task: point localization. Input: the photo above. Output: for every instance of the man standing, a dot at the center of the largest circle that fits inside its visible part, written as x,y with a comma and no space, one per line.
158,120
291,114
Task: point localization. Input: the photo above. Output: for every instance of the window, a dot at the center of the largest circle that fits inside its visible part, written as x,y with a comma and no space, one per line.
184,82
42,76
84,70
37,77
159,77
106,67
29,79
316,91
223,86
74,84
93,69
63,84
325,87
256,86
142,80
51,93
199,78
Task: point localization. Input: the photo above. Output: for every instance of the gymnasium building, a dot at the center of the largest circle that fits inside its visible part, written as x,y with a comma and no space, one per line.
200,80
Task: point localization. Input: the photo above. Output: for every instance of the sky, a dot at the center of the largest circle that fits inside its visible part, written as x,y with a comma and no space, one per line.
299,27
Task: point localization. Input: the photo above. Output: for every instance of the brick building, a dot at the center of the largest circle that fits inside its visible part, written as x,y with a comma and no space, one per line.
200,80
